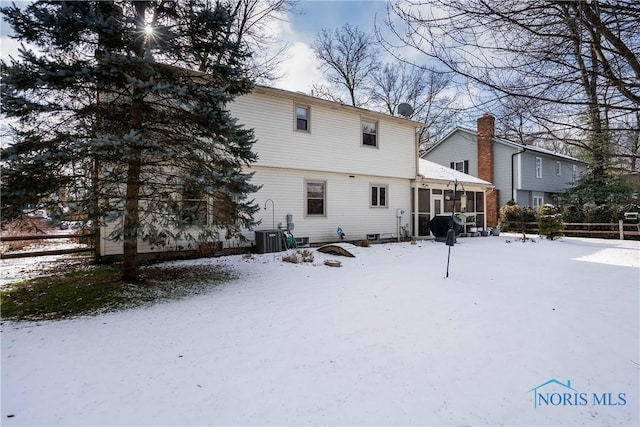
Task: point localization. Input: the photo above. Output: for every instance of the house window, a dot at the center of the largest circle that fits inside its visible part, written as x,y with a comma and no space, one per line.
315,195
538,167
574,172
303,115
370,133
537,203
194,206
558,168
378,196
462,166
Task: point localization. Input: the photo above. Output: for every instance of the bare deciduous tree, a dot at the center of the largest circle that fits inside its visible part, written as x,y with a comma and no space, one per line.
400,82
348,56
577,59
252,27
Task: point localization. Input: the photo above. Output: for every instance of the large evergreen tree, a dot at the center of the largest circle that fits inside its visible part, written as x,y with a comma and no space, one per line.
125,103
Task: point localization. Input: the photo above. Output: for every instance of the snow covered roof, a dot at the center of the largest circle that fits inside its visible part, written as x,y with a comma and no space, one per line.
431,170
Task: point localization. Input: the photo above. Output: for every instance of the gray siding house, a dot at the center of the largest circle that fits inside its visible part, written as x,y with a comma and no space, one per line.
527,174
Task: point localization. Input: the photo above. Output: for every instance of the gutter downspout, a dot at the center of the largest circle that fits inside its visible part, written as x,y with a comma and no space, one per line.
513,189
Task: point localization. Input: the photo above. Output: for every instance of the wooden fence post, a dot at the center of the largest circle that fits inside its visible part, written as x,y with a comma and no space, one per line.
621,229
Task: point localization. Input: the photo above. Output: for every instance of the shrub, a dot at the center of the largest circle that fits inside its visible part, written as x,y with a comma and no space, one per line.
528,214
550,222
512,215
599,214
619,210
573,214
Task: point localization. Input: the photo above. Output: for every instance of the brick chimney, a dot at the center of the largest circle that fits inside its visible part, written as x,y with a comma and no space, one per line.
486,131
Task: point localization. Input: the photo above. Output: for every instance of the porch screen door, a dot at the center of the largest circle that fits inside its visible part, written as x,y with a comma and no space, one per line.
437,207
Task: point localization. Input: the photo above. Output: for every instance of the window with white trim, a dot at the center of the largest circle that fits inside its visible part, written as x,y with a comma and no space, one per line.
303,118
194,205
574,172
379,196
369,133
558,168
538,167
315,197
462,166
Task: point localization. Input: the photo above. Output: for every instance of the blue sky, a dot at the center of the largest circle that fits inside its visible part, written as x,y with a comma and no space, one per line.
331,14
301,69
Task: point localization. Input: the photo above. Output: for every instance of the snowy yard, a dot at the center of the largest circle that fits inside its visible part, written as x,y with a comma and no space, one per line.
383,340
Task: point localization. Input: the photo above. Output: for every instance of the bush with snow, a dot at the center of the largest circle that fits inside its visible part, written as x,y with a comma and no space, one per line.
550,222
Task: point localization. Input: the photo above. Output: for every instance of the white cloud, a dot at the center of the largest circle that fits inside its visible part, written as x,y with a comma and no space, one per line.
8,47
300,70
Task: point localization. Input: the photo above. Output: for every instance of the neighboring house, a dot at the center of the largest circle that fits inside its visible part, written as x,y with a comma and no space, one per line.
529,175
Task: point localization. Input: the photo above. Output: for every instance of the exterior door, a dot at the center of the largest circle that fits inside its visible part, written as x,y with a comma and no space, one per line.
437,207
537,204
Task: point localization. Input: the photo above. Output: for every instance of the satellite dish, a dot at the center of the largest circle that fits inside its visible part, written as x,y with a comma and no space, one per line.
405,110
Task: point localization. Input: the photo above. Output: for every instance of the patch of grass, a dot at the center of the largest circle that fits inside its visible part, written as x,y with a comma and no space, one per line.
97,290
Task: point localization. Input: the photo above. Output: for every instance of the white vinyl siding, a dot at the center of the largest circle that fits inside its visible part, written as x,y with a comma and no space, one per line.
334,145
347,204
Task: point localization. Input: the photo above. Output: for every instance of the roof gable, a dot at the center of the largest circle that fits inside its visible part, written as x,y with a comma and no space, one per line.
511,144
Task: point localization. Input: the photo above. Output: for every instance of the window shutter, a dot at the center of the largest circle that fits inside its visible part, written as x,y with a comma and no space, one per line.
452,165
466,166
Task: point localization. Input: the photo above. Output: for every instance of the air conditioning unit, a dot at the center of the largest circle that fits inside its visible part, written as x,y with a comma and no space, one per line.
268,241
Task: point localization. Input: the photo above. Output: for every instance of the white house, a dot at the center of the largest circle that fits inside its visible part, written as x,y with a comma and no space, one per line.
322,165
325,165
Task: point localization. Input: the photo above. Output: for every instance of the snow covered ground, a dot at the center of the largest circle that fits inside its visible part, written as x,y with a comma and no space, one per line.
543,333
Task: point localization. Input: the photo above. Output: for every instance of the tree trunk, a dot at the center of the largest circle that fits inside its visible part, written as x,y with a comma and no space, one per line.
130,269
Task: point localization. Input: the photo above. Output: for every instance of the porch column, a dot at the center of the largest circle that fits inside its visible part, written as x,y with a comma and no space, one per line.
416,231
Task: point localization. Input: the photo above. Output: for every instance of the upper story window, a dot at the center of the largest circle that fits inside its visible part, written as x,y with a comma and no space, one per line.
303,116
370,132
538,167
462,166
574,172
558,168
315,195
379,196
